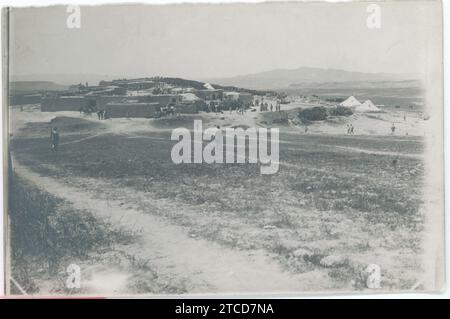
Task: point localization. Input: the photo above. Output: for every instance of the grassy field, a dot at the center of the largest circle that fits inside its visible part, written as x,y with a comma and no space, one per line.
47,234
355,199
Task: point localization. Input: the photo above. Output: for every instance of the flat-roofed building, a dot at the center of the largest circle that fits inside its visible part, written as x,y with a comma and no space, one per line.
209,95
132,109
163,99
63,103
23,99
190,104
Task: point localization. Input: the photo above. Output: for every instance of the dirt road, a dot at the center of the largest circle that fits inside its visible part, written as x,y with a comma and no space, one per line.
202,266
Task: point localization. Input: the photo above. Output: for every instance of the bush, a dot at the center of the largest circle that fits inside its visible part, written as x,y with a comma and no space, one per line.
317,113
341,111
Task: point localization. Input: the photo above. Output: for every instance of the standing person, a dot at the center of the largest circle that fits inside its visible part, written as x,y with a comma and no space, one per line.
348,128
393,128
54,137
352,129
271,107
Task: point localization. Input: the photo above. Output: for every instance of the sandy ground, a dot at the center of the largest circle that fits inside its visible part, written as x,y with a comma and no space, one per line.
406,122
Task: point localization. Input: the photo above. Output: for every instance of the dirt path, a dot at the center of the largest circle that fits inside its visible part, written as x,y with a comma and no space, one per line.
202,265
84,138
371,152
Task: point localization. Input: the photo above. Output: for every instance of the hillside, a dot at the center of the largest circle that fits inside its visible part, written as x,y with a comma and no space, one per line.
284,78
24,87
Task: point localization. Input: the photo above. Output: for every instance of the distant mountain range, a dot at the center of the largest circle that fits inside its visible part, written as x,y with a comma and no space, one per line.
270,80
26,87
66,79
306,76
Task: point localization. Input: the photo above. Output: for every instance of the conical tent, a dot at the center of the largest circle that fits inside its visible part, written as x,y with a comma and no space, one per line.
350,102
208,86
367,106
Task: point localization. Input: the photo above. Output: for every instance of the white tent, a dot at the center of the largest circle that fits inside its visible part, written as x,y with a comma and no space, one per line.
350,102
367,106
189,97
208,86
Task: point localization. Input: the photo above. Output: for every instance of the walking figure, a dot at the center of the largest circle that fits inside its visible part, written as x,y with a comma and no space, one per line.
54,137
393,128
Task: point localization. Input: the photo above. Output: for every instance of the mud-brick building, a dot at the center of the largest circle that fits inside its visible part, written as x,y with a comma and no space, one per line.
140,85
132,109
163,99
23,99
190,104
188,107
63,103
102,101
244,98
208,95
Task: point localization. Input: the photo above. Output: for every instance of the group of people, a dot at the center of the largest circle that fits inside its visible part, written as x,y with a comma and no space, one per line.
168,110
102,115
264,106
351,129
239,110
217,108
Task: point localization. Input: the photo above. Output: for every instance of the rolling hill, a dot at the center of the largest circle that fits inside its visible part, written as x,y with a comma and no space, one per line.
288,78
26,87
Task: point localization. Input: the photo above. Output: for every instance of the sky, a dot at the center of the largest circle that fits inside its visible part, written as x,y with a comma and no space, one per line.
214,41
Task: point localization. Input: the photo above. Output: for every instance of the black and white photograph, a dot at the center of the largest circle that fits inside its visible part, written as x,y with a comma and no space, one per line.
234,149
